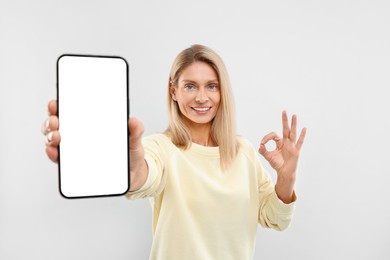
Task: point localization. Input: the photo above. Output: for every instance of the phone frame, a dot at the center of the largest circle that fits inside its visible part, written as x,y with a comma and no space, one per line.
127,113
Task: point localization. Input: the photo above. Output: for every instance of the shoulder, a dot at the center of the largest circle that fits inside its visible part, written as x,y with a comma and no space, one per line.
157,137
158,141
244,143
246,148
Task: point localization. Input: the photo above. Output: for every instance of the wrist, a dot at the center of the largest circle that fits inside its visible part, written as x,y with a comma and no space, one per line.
284,189
138,176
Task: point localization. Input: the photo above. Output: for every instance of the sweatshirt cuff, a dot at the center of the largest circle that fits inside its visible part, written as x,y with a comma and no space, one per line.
281,206
152,174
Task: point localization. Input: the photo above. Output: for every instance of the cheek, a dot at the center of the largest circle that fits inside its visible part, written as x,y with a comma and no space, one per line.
182,103
217,99
184,99
182,108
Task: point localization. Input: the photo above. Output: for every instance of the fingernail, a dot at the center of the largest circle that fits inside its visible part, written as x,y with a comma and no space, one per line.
45,127
49,138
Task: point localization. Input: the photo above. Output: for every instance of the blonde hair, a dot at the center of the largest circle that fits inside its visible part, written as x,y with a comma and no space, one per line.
223,130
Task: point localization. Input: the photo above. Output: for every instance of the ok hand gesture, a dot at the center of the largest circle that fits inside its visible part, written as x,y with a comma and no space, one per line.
284,159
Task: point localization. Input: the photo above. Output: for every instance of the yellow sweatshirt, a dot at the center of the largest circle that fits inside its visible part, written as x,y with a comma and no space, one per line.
201,212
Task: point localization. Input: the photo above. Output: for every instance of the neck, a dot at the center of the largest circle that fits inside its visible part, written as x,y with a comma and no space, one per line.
204,141
201,133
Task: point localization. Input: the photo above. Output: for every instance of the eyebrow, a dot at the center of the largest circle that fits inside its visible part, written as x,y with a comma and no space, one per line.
191,81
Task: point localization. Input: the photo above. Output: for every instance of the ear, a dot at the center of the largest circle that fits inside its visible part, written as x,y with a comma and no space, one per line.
173,93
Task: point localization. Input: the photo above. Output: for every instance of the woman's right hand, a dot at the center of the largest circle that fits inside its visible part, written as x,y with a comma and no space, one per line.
138,165
50,130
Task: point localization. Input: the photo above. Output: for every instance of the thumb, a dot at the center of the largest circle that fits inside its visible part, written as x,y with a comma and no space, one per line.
136,129
263,151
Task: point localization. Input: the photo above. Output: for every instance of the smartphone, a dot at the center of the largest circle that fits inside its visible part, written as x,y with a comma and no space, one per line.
93,112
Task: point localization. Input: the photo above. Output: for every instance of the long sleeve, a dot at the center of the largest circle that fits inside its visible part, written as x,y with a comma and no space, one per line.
201,211
156,156
272,212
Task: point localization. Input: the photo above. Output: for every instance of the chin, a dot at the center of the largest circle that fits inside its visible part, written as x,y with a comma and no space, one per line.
199,121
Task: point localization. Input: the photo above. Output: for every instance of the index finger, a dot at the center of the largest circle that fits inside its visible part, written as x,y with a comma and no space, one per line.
52,107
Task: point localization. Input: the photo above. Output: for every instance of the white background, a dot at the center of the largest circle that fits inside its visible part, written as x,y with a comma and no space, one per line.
327,61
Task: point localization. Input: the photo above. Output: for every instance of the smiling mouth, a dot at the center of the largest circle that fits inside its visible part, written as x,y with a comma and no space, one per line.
201,109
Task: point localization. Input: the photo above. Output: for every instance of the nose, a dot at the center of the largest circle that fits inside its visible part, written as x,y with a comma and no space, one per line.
201,96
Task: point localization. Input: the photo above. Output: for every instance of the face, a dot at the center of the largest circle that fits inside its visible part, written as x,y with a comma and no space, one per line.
197,93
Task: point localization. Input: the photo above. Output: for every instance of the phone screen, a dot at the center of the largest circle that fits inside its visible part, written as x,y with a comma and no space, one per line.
93,109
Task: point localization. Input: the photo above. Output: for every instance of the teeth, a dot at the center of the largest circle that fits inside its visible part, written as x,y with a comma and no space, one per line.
203,109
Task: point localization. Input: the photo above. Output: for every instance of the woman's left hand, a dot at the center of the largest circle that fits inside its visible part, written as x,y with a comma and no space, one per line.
284,159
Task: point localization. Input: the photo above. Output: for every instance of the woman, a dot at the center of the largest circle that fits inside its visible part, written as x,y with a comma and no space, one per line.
207,186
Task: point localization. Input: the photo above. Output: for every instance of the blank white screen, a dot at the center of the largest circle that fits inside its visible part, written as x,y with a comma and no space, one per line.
93,112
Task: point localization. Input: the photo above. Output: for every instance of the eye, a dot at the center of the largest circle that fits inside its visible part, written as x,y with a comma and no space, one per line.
213,87
189,87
